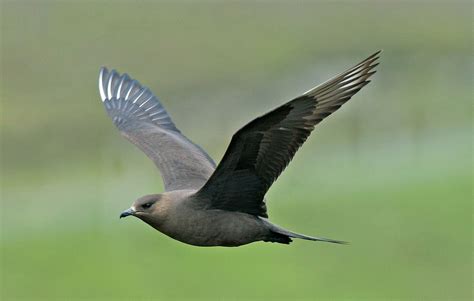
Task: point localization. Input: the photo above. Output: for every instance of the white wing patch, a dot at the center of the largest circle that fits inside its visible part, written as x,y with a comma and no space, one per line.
128,101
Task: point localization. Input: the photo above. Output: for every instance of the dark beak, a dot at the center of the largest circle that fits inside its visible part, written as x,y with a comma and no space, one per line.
129,211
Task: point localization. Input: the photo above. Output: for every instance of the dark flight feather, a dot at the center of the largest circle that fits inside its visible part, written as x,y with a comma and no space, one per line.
261,150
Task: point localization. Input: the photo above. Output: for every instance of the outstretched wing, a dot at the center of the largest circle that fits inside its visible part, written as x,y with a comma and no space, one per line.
142,119
261,150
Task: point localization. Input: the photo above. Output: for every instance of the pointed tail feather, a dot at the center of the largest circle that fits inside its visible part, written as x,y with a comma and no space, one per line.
279,230
306,237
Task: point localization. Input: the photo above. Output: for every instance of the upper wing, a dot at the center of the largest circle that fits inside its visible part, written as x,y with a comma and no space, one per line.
261,150
142,119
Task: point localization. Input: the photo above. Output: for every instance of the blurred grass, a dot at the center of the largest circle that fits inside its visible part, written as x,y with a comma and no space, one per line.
391,172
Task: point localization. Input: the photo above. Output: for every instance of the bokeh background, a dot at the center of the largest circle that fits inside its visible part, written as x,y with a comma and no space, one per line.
390,172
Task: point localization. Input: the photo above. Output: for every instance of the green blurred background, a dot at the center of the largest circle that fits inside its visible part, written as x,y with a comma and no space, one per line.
390,172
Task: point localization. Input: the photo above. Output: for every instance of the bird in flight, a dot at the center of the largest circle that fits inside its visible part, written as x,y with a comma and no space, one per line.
224,205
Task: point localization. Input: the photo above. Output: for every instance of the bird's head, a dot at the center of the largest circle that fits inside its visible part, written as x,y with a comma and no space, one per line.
145,207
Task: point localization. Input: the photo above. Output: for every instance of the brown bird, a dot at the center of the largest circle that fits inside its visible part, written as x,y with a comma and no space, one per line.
205,205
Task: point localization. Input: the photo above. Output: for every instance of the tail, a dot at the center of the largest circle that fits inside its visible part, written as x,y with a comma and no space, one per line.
284,236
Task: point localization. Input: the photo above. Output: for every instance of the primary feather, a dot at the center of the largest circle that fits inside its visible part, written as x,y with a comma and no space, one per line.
261,150
143,120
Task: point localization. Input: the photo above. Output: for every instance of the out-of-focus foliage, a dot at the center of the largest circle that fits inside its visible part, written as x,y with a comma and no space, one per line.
390,172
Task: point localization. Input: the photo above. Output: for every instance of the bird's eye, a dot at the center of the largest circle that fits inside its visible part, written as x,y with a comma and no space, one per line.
147,205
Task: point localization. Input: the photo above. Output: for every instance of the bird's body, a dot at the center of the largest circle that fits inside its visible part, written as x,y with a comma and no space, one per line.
181,217
224,205
193,225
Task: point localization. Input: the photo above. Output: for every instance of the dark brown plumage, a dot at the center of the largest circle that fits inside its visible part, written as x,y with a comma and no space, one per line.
261,150
224,206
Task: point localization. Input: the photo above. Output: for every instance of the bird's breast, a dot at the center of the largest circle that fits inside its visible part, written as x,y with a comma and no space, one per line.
213,227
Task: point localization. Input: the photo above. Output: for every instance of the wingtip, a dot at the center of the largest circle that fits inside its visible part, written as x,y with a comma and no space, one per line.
113,74
102,75
377,53
373,57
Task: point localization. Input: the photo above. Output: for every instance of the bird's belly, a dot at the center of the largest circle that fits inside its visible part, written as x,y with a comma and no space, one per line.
216,228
